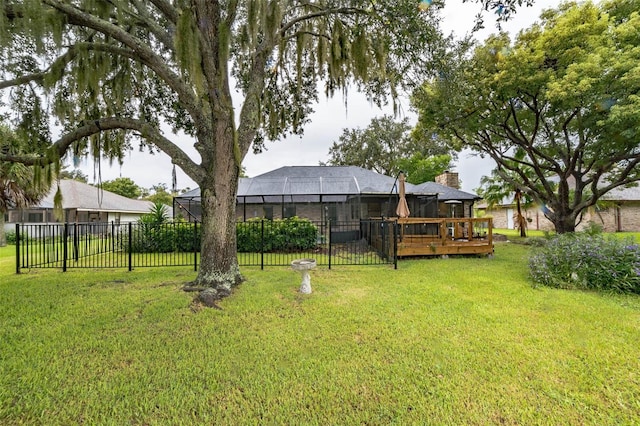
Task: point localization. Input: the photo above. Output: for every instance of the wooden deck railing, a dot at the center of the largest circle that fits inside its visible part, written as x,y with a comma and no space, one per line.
444,236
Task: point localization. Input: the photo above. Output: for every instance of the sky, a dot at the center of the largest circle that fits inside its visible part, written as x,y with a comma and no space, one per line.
331,116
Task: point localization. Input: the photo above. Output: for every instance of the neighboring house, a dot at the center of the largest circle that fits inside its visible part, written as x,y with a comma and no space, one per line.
81,203
504,216
337,193
617,211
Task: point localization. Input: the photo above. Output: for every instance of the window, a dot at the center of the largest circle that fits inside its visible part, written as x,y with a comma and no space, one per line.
34,217
355,214
268,212
332,213
288,211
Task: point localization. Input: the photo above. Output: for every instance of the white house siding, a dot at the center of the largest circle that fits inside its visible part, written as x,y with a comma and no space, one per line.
124,217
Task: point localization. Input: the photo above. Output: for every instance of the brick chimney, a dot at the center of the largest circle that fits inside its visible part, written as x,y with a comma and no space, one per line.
449,179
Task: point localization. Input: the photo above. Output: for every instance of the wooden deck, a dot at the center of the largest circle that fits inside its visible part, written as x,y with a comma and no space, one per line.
440,237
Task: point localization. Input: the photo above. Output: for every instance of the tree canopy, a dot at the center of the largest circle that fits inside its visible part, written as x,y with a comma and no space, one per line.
20,186
558,110
75,174
161,195
420,168
387,146
109,73
123,186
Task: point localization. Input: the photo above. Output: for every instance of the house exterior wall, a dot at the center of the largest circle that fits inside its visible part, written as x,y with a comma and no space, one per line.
455,210
313,211
356,208
534,216
34,216
630,216
30,216
123,217
351,207
623,217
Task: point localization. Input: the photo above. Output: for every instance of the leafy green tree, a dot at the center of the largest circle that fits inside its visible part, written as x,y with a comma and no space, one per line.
160,195
558,110
122,186
75,174
20,185
386,146
419,168
113,71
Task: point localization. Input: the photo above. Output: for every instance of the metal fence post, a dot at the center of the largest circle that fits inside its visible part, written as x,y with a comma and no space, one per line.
65,247
17,248
130,247
262,245
329,239
195,246
395,245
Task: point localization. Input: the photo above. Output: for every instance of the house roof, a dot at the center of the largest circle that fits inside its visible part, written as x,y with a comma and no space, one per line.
307,182
623,194
84,197
325,180
445,193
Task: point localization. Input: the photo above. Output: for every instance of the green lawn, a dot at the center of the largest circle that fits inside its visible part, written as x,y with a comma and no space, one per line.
439,341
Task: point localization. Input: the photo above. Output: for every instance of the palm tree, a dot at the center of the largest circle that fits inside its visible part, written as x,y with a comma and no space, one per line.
20,185
494,189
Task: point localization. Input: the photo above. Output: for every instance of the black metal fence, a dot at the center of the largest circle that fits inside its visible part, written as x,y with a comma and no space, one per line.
260,243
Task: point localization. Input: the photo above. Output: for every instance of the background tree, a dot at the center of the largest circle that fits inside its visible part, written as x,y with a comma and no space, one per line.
420,168
20,186
75,174
160,194
494,190
558,110
114,70
386,146
123,186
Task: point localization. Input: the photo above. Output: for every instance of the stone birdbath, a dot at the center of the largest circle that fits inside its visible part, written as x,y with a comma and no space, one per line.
304,266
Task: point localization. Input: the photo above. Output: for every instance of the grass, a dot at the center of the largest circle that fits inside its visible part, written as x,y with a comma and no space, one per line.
439,341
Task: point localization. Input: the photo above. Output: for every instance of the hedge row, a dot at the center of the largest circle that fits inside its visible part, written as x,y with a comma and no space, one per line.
252,236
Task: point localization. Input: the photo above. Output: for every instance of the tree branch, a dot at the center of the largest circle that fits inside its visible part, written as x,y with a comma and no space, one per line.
334,11
149,22
167,9
146,130
142,51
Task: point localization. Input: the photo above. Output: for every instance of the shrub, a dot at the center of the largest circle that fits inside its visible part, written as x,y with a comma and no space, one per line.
587,261
290,234
11,237
163,238
157,215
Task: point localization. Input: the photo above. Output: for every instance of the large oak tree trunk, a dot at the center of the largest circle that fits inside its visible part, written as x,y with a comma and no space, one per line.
219,271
